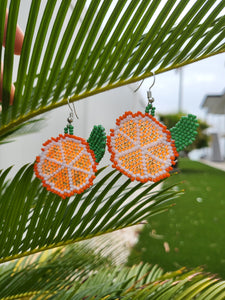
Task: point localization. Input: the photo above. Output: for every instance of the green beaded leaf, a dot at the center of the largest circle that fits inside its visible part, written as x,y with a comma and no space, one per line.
184,132
97,141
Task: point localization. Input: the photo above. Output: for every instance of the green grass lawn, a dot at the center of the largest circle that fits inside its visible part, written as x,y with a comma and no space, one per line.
192,233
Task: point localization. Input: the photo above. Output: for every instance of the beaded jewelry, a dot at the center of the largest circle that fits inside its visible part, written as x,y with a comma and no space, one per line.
144,149
67,164
185,131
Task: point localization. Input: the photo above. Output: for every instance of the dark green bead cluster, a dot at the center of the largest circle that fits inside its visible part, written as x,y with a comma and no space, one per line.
185,131
150,107
69,129
97,142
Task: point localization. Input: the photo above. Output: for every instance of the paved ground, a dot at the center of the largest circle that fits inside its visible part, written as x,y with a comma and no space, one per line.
218,165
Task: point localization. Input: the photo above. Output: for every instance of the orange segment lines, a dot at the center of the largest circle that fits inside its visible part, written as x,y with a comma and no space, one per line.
141,147
66,165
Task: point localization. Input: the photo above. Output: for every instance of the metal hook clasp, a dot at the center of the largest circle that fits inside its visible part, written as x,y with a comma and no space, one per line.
72,112
149,93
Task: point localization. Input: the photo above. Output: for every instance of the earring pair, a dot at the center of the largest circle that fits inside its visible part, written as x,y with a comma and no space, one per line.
141,148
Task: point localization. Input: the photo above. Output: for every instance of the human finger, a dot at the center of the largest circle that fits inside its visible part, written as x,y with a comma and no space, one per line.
18,37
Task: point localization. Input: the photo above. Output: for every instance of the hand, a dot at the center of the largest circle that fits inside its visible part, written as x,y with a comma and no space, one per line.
17,51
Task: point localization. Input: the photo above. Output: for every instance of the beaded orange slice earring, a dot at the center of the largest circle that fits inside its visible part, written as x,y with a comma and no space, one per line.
67,164
144,149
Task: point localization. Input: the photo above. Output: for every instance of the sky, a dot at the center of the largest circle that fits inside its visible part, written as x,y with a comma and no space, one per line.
206,77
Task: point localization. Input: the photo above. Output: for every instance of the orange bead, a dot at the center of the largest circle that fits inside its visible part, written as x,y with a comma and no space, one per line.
141,147
66,165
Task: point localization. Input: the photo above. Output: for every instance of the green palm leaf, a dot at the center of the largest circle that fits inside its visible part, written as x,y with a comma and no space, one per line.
33,219
138,283
118,42
48,272
67,273
28,127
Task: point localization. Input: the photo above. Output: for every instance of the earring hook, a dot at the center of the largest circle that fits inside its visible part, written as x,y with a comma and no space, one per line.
153,73
72,111
149,93
139,86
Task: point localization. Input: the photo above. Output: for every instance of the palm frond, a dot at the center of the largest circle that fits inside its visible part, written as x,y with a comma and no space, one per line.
144,282
78,272
49,272
33,219
117,42
28,127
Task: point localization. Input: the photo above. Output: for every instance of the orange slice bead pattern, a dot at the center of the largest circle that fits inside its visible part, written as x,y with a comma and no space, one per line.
66,165
141,147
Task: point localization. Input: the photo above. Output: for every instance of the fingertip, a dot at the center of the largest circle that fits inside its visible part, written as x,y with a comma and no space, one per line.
18,40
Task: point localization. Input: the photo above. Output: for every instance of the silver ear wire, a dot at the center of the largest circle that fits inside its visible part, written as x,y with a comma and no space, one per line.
72,112
149,93
139,86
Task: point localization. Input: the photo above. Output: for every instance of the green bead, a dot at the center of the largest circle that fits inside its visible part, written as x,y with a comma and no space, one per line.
97,141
